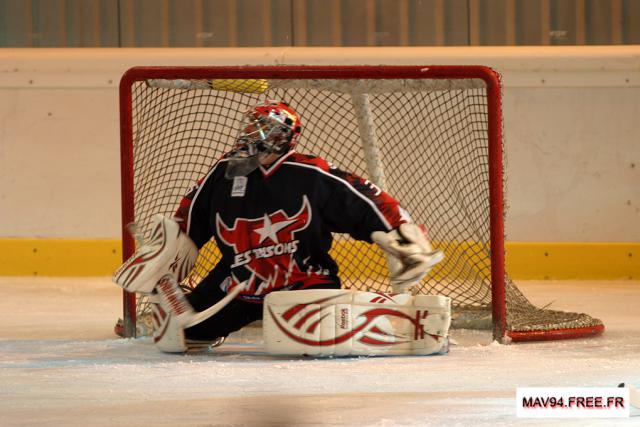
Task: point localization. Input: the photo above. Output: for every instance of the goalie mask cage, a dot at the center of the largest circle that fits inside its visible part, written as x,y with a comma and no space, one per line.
430,136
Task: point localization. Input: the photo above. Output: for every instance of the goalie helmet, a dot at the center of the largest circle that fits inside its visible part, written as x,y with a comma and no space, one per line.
270,128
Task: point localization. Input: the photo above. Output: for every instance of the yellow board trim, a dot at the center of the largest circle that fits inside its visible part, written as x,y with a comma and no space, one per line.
525,260
573,260
59,257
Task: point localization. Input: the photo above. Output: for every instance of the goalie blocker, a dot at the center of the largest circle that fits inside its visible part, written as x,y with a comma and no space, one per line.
353,323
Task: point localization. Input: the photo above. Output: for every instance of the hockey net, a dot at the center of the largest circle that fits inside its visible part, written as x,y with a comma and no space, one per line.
430,136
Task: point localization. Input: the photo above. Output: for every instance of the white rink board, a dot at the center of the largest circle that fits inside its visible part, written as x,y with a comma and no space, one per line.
60,364
570,122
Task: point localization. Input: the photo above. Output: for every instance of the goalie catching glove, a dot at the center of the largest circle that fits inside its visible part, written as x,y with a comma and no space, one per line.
168,251
411,255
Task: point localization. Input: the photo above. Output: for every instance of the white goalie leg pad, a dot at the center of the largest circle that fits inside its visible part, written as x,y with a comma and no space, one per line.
168,333
168,250
341,322
172,313
173,299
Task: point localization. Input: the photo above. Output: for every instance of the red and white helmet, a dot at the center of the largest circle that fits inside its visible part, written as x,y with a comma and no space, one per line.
269,128
273,126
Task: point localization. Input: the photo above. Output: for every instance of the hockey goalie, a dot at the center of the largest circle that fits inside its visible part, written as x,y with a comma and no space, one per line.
272,212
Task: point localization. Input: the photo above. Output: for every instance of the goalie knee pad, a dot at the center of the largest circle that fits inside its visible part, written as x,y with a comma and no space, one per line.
351,323
168,250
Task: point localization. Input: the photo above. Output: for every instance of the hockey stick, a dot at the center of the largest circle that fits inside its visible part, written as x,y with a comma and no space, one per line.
176,300
205,314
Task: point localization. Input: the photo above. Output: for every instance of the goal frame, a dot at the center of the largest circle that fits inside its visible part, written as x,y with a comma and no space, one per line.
300,72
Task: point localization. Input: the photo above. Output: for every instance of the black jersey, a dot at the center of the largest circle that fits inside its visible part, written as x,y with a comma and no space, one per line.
273,227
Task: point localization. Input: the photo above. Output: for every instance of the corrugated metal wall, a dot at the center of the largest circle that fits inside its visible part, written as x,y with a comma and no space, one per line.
245,23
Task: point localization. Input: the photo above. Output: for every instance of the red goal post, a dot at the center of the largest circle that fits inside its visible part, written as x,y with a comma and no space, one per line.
430,135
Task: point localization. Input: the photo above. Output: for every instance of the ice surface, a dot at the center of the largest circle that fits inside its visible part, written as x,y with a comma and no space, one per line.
61,365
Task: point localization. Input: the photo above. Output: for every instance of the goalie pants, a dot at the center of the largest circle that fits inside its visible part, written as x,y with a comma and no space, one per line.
234,316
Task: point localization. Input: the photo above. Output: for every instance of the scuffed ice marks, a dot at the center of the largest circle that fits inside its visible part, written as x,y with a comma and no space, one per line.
83,377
